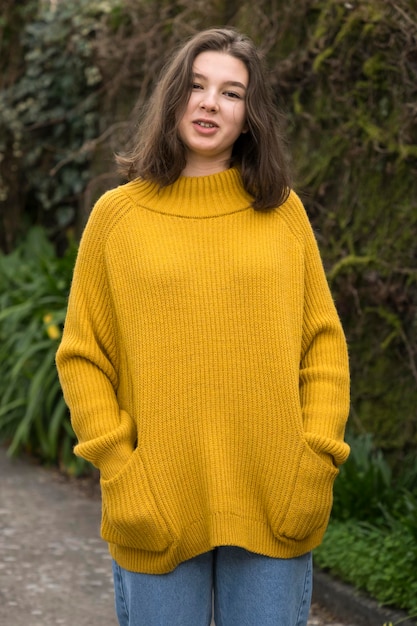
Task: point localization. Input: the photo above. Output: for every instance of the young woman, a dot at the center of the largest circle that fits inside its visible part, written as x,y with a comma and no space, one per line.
203,359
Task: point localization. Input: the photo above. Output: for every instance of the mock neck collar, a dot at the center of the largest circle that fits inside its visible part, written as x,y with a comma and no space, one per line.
194,196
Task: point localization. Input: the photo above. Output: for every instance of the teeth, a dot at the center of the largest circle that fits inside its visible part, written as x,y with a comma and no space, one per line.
205,124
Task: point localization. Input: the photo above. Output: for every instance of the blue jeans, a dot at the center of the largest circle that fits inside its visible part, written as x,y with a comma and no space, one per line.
249,590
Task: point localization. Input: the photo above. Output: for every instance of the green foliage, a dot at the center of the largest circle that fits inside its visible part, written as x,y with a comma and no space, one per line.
49,115
364,482
34,286
381,561
369,489
372,538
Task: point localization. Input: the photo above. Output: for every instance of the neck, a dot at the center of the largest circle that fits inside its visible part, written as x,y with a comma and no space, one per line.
206,167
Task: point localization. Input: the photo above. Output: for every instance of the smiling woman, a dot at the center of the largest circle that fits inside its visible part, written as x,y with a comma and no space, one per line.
203,359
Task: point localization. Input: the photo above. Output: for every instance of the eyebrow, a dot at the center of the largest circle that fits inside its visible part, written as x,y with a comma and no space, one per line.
229,83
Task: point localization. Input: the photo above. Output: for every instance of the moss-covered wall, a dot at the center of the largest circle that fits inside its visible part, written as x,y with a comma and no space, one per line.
354,138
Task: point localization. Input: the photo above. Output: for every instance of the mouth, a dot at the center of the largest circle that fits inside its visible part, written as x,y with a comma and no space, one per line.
205,124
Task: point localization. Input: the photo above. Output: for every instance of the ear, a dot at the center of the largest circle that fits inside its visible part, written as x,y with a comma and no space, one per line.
245,128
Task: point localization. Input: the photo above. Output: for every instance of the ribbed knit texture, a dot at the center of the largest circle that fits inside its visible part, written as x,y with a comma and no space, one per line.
206,372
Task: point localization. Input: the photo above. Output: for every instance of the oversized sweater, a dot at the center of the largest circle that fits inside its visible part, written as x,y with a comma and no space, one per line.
206,372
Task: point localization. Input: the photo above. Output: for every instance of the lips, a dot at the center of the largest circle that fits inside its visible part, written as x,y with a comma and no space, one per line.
205,123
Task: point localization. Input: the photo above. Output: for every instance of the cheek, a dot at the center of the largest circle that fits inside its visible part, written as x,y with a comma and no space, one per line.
239,117
192,102
184,110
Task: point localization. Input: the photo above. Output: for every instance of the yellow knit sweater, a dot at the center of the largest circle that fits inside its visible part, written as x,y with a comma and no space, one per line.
206,372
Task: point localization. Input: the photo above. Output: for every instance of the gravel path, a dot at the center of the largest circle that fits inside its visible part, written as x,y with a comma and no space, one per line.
320,617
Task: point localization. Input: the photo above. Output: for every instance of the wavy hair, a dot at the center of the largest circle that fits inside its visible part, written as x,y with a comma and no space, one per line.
158,153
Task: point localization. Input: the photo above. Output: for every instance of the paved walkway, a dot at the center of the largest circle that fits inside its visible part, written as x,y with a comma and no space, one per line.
54,568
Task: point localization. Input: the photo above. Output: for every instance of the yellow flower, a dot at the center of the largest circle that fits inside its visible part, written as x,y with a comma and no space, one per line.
52,330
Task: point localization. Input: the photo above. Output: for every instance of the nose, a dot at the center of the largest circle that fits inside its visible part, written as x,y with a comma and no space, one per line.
209,103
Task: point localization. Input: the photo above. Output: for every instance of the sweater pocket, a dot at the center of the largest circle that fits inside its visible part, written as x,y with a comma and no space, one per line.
309,507
130,514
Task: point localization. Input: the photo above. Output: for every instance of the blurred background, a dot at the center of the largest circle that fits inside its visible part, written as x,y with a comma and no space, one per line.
73,78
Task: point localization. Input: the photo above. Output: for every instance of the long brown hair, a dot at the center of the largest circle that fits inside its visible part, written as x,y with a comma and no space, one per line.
158,154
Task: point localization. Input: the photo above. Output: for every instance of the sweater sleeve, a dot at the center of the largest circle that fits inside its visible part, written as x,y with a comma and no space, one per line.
87,356
324,365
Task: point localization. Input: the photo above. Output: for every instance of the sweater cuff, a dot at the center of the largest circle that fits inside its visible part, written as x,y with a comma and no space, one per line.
112,451
336,449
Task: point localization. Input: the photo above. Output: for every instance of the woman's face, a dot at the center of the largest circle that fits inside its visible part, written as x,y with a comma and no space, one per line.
216,112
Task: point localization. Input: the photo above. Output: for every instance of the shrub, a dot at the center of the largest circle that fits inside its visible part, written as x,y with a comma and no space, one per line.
371,541
369,490
381,561
49,114
34,286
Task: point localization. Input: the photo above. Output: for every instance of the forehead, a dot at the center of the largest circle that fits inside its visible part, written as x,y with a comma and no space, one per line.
222,66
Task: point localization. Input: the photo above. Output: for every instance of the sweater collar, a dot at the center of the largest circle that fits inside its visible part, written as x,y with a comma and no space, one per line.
193,196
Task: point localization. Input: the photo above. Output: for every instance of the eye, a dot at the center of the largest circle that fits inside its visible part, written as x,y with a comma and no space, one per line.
233,94
196,86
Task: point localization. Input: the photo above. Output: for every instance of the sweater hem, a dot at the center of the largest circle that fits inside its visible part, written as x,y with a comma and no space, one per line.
204,535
